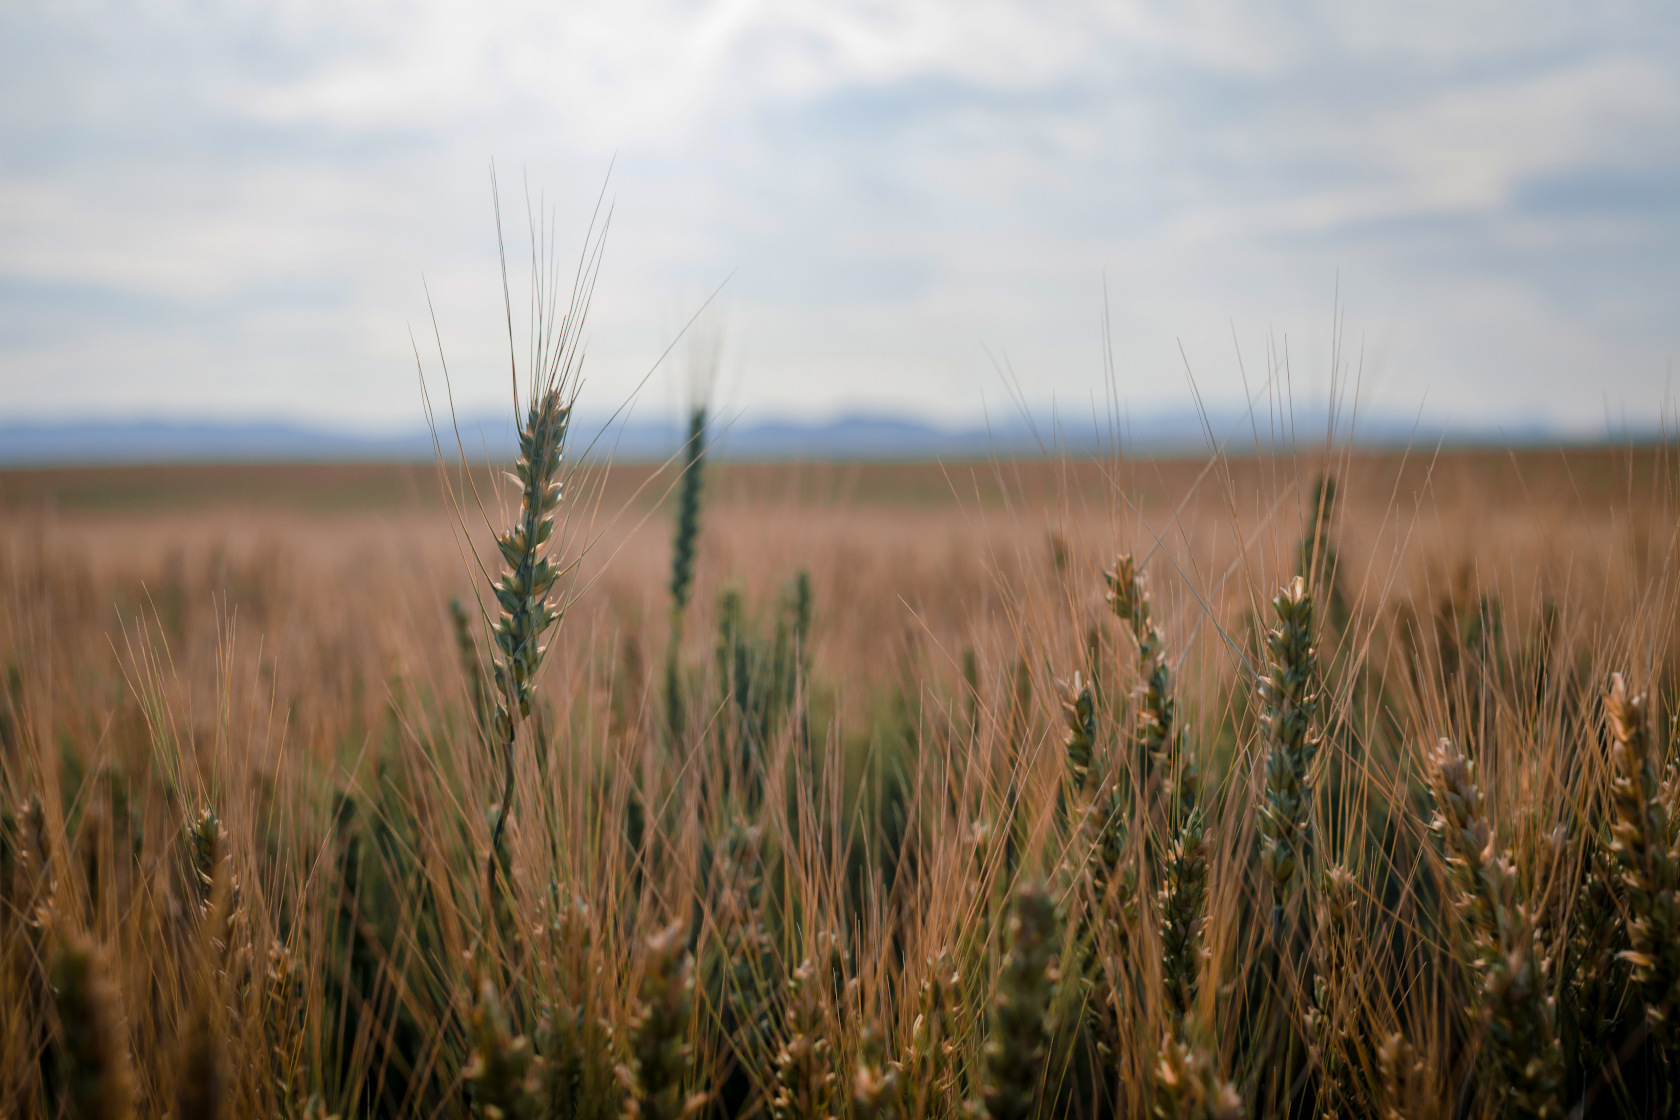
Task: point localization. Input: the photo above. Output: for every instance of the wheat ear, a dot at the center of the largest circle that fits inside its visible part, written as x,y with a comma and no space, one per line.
1402,1073
661,1062
683,549
471,669
502,1071
1326,1020
1020,1030
1181,865
1188,1085
1507,958
93,1055
202,1081
1289,708
1096,841
928,1066
806,1083
878,1085
1155,730
523,592
1650,867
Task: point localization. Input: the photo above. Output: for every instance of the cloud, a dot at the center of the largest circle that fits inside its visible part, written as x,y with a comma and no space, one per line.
229,207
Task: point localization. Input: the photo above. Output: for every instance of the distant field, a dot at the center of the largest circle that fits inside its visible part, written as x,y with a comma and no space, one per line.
1584,474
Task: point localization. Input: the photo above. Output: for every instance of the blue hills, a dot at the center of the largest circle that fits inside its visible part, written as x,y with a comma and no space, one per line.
854,436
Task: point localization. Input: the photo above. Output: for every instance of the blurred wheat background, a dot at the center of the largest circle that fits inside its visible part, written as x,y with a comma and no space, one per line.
921,815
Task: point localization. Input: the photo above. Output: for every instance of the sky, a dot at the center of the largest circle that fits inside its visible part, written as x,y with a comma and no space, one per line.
236,210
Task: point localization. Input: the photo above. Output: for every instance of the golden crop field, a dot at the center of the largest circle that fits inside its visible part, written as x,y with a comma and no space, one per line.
984,789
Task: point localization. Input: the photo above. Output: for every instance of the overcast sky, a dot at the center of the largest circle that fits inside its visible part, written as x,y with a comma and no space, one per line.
212,209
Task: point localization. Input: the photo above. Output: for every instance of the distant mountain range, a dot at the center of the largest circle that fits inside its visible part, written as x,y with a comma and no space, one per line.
847,437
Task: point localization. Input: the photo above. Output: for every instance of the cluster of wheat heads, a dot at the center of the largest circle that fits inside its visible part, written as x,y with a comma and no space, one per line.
1359,853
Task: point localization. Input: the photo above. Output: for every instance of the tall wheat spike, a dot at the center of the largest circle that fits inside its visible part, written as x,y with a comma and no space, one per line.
1020,1030
471,669
93,1053
660,1069
1643,846
878,1085
1516,1009
523,592
526,609
683,550
806,1084
1188,1085
1289,701
502,1071
1181,862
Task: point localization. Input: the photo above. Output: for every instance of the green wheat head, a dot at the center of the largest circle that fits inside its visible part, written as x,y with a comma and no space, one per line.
524,589
1289,708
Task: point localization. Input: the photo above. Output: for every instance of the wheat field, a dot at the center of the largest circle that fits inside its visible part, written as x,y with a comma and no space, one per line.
1321,783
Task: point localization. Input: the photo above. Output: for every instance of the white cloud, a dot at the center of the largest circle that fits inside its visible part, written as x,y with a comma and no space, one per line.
258,188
